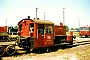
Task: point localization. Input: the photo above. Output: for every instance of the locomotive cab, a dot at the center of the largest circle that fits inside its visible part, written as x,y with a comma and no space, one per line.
35,33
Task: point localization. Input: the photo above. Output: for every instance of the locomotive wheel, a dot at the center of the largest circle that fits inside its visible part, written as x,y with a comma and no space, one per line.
2,51
10,50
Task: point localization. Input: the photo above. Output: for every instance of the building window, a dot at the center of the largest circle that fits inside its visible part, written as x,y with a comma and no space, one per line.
48,29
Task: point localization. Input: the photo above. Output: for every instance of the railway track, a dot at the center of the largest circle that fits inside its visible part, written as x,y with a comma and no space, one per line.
81,41
76,42
7,47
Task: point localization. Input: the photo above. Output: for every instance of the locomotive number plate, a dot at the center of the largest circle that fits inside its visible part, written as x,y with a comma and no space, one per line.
48,37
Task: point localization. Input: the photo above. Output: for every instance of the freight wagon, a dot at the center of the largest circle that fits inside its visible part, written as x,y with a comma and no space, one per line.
4,33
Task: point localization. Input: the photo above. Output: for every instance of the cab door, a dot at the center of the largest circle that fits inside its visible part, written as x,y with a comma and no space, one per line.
48,36
40,35
25,28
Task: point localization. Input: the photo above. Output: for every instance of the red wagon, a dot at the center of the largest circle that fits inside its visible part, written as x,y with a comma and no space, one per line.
4,33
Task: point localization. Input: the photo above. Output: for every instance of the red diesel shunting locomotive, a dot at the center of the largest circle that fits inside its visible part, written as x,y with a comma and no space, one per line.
36,33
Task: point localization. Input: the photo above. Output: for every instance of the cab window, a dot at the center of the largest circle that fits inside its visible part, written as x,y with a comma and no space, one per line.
40,29
20,28
32,27
48,29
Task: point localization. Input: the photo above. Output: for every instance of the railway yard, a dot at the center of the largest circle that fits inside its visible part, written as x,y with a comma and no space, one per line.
36,39
54,30
80,50
42,41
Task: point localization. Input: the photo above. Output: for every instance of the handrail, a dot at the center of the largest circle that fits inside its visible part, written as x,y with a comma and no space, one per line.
37,33
44,33
54,35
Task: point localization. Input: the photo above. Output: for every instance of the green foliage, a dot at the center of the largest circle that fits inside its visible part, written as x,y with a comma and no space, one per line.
15,27
79,54
76,28
67,28
72,28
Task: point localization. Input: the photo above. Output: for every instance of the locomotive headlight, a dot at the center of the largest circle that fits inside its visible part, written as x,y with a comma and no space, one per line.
23,20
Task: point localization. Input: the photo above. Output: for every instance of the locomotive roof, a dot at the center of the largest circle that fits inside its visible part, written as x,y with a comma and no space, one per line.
39,21
42,21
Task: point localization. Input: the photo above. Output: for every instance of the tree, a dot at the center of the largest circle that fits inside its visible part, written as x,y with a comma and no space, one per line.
67,28
76,28
16,27
72,28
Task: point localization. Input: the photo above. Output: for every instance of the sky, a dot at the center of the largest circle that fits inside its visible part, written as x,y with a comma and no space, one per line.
13,11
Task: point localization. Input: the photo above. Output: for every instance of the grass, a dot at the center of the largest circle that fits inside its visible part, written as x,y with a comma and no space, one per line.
66,58
85,54
60,50
77,53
